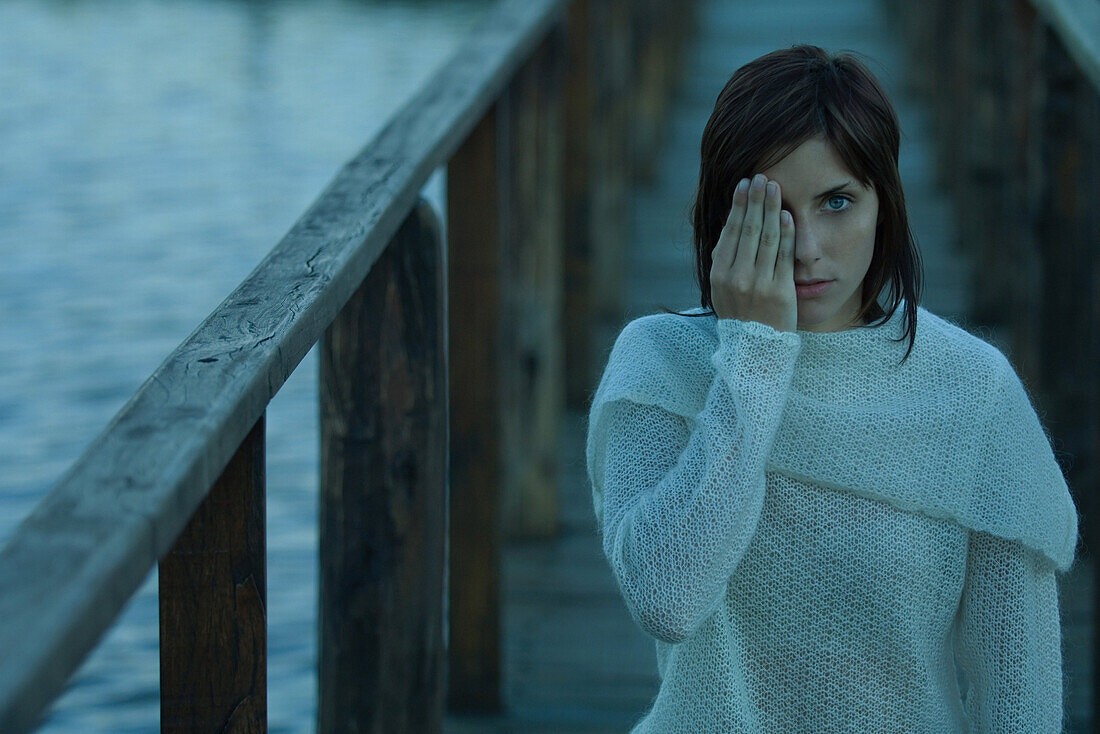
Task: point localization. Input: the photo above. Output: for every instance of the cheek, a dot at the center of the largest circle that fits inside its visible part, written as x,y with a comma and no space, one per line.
865,247
855,244
861,237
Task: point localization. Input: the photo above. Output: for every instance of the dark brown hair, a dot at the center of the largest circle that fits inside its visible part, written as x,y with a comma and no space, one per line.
769,107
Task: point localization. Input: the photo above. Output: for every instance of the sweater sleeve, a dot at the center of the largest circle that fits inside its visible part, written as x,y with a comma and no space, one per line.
681,499
1009,639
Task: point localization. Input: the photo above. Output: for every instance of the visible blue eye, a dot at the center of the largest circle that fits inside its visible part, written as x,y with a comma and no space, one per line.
838,198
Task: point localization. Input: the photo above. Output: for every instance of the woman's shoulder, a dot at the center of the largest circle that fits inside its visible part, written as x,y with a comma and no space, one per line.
693,317
952,342
658,359
674,337
663,349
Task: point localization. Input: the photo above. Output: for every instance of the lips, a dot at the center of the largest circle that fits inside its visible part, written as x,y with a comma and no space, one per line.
813,289
811,282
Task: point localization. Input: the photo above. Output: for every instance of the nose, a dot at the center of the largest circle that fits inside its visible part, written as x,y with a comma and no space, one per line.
807,247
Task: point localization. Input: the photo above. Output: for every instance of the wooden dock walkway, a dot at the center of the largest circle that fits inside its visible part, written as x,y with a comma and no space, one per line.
573,659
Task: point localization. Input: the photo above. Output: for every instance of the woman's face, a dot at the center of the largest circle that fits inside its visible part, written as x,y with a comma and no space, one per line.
834,220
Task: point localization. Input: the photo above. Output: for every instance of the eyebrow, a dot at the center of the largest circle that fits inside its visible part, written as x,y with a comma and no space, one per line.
835,189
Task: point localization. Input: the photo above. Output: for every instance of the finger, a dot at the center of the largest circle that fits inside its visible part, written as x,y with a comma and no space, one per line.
769,233
726,248
784,262
749,240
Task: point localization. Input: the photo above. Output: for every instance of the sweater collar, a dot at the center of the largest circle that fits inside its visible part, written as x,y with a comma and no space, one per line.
881,343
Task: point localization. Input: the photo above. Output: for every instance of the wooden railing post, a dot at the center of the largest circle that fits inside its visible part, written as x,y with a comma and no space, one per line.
213,598
1063,350
383,506
612,146
650,67
578,242
473,285
532,387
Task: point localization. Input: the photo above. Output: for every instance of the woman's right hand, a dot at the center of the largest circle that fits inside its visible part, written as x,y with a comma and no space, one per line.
752,266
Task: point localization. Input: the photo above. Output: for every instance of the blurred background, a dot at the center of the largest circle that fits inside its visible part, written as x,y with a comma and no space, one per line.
153,152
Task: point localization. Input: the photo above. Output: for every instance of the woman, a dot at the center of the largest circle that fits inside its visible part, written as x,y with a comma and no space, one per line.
820,525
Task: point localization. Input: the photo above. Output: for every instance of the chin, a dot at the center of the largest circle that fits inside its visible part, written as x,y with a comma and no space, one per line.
814,313
812,316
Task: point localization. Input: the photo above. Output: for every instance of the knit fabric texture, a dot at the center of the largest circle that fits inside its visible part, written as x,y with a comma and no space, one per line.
820,538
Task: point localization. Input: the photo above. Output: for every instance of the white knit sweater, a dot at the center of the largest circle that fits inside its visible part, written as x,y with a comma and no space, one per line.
821,540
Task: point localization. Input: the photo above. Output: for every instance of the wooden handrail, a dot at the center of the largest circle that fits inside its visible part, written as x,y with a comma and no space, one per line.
70,567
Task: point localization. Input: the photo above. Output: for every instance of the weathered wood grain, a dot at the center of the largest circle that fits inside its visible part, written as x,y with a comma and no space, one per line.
383,388
474,354
612,151
577,201
648,91
531,372
213,606
71,565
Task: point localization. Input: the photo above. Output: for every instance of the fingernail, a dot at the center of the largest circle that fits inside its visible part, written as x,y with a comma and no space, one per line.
771,188
758,181
743,185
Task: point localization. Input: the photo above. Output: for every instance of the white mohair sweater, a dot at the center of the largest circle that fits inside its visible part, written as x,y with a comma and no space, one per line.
820,539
